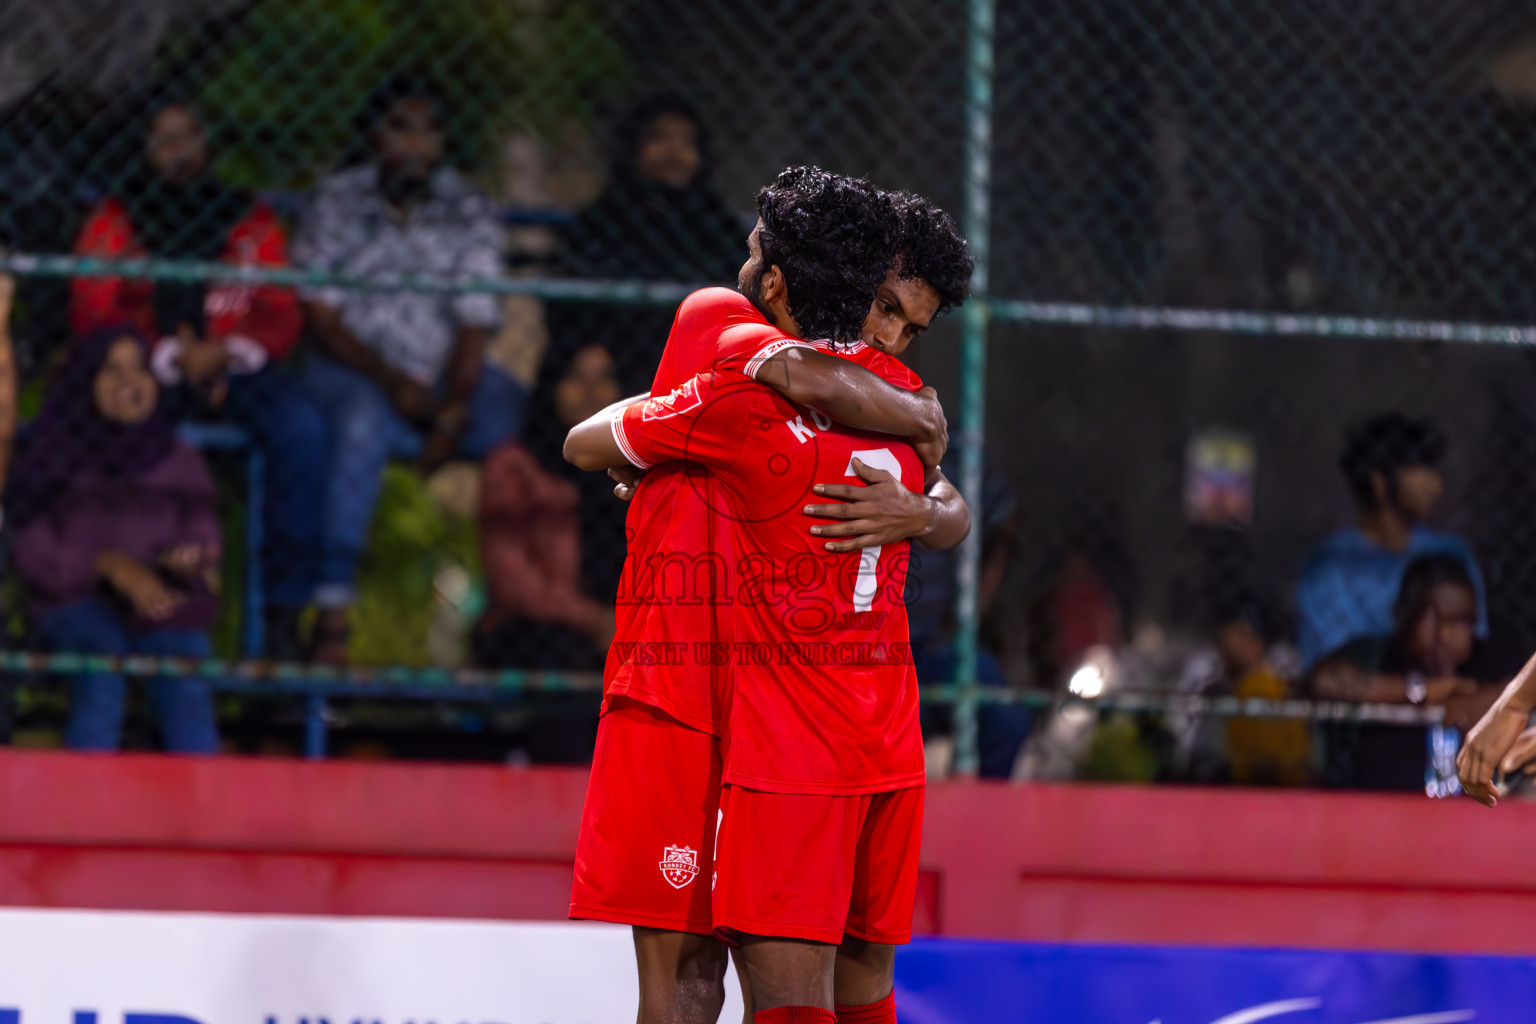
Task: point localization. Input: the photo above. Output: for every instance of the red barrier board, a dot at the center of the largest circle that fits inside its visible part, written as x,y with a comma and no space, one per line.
1045,863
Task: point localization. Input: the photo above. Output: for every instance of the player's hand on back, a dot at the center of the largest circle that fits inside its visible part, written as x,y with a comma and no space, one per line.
883,512
625,480
932,445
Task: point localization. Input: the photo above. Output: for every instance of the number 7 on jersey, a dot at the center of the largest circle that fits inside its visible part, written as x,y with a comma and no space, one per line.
867,584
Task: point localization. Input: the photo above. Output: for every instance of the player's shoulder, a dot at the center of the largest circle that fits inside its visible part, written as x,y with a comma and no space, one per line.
885,366
715,303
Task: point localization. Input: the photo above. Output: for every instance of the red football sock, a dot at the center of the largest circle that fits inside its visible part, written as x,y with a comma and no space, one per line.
883,1012
794,1015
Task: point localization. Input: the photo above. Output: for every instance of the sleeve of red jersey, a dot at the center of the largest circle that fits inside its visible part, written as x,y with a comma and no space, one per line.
909,380
745,347
896,373
703,421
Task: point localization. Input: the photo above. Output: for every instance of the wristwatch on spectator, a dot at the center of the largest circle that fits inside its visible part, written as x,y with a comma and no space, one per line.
1416,687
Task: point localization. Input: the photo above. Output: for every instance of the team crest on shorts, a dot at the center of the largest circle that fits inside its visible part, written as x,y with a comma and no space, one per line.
679,865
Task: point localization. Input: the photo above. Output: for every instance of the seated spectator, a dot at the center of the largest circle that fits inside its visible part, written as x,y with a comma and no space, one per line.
1349,584
1425,659
117,541
1266,752
659,218
402,374
220,345
552,536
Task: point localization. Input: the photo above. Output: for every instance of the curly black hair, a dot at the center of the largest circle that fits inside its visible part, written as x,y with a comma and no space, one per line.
834,237
932,250
1385,444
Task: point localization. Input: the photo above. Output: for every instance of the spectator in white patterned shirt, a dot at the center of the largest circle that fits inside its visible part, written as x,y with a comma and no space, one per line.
402,373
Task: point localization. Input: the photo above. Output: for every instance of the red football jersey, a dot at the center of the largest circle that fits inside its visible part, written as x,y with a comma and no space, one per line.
823,691
667,613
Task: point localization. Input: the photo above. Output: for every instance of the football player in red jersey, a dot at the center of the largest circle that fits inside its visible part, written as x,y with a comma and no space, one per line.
906,302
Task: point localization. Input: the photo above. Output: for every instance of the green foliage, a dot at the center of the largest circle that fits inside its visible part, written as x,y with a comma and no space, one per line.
1118,753
227,633
282,102
411,540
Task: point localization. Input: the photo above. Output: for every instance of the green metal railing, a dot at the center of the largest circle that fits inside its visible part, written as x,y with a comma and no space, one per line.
319,684
977,218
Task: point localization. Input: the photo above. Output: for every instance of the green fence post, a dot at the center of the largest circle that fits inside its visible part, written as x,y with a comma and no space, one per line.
976,215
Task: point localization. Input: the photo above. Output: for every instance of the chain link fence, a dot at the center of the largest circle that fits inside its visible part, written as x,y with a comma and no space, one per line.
1219,234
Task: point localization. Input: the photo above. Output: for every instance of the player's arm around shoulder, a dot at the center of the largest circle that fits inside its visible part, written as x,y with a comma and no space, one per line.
853,396
700,421
592,444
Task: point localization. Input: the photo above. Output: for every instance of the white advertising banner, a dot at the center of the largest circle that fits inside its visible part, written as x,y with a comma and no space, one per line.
93,967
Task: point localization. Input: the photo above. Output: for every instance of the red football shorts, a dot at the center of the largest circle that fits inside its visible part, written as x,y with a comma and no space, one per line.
648,826
817,867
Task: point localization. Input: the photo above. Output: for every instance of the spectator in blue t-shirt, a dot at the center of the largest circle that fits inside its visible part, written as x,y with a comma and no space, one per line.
1349,584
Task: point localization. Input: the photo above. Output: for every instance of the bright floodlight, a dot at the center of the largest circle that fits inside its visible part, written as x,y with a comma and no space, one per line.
1087,682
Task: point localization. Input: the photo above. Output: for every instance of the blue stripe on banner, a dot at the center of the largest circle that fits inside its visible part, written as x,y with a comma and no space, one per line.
945,981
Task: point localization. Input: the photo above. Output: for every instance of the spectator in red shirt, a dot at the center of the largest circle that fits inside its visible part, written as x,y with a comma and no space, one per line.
219,344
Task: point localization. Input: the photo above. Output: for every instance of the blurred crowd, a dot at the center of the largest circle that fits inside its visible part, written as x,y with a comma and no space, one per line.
118,530
1385,611
115,526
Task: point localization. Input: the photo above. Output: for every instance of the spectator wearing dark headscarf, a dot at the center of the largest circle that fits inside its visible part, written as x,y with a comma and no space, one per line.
660,218
552,536
116,539
218,344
